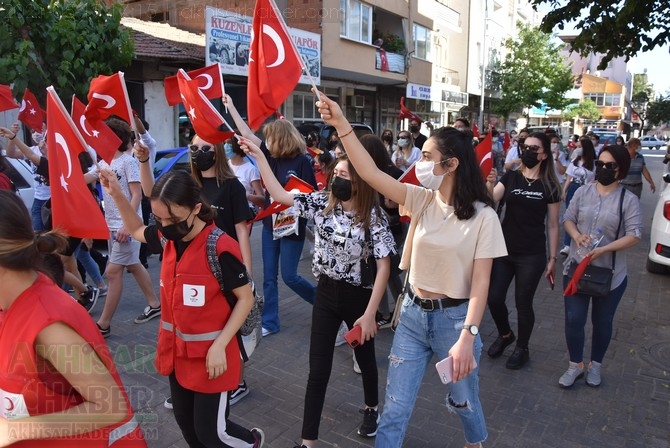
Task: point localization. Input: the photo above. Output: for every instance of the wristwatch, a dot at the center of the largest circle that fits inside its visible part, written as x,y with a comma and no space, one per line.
473,329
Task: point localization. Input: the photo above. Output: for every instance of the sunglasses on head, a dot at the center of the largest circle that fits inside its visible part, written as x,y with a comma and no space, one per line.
534,148
607,165
203,148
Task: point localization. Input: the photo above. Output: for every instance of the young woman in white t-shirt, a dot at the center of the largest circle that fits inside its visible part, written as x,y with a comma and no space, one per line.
455,235
246,173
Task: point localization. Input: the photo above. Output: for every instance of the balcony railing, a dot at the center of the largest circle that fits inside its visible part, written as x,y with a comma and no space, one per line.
389,62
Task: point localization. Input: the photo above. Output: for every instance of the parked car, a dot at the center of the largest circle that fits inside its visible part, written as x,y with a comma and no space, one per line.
21,174
168,159
607,137
324,130
658,260
651,141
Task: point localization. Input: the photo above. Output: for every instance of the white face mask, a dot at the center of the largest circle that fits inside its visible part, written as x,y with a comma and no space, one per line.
403,142
554,146
424,173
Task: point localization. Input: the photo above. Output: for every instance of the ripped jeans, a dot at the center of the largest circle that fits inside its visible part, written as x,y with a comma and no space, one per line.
420,334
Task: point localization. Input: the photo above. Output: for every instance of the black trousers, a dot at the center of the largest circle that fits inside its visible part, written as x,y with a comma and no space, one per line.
203,418
335,301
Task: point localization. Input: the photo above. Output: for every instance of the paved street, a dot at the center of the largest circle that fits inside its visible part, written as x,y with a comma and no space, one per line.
524,408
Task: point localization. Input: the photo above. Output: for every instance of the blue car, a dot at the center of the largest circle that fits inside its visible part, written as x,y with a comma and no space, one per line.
168,159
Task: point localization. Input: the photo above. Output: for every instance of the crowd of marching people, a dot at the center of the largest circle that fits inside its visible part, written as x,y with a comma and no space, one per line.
366,220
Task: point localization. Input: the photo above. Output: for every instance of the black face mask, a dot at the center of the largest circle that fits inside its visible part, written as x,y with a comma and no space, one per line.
414,129
341,188
332,144
204,160
529,159
387,138
176,231
605,176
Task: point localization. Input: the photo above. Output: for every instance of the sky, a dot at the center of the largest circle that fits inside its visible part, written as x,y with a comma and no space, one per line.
657,63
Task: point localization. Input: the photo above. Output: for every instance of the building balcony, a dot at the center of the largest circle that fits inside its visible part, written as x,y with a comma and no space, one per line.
389,62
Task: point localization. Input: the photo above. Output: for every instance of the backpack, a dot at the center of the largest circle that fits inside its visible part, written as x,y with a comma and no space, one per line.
251,328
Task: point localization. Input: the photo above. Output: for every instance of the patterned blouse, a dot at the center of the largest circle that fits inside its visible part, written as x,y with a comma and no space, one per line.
339,246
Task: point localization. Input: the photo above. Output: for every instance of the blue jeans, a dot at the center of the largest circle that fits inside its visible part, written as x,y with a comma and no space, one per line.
36,214
420,334
89,264
602,316
568,197
287,252
526,270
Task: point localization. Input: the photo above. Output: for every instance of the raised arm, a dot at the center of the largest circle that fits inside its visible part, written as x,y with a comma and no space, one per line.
131,220
241,125
143,155
331,113
271,183
16,149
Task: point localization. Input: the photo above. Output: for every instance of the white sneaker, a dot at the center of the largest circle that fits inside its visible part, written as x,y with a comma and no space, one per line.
573,373
593,378
340,335
357,368
565,250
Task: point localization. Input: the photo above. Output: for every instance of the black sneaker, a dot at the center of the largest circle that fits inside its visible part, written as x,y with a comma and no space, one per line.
518,358
239,393
89,298
499,345
148,314
259,437
384,322
370,421
105,332
168,402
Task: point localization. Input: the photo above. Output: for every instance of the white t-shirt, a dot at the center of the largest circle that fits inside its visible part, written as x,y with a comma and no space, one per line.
414,156
579,174
127,170
42,190
444,248
246,174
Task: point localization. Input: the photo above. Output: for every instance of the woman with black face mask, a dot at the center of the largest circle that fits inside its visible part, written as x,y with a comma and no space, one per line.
597,209
387,139
532,197
198,348
350,233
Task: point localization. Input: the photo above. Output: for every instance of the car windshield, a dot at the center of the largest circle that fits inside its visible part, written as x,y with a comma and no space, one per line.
163,159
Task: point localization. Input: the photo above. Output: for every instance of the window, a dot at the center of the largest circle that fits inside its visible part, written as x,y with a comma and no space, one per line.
356,22
422,42
304,107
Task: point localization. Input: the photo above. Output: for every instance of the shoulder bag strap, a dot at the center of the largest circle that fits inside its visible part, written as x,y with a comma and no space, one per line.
623,193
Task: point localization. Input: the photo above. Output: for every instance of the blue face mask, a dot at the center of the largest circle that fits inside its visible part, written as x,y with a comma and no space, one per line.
228,147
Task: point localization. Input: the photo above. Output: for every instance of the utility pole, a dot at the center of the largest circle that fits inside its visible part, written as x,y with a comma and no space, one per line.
484,62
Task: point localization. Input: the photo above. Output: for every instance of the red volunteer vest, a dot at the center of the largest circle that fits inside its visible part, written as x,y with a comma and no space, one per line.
29,388
194,312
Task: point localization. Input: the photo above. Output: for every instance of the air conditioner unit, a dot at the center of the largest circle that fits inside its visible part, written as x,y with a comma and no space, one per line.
358,101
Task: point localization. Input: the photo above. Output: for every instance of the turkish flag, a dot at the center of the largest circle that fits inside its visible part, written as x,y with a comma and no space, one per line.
107,96
409,177
96,133
209,79
31,114
73,208
484,156
507,142
204,118
571,289
406,113
383,59
274,64
475,130
295,185
314,152
7,99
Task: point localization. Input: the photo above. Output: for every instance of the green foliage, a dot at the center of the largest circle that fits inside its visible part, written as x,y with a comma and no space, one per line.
532,73
390,42
659,111
61,43
586,109
612,28
642,93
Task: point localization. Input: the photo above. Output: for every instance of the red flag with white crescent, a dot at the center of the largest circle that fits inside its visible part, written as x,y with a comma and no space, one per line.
274,64
406,113
294,184
31,114
484,156
7,99
209,80
107,96
507,142
73,208
96,133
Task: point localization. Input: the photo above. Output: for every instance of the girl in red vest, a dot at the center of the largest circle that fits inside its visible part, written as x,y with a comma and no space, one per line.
197,344
58,383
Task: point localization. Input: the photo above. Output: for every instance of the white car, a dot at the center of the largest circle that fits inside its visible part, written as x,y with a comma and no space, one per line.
22,176
651,141
658,261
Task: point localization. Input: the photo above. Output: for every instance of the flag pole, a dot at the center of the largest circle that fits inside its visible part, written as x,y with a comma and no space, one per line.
64,111
89,148
223,90
295,49
183,72
130,110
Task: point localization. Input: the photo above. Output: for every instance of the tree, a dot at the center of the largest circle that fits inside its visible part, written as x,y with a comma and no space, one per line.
532,74
640,97
60,43
659,111
611,28
586,109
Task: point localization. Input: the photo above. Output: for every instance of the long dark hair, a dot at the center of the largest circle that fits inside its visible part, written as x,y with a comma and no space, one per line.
470,187
362,194
588,154
547,170
177,187
20,248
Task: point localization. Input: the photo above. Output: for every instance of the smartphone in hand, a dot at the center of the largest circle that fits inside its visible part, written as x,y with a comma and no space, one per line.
445,369
353,336
551,281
